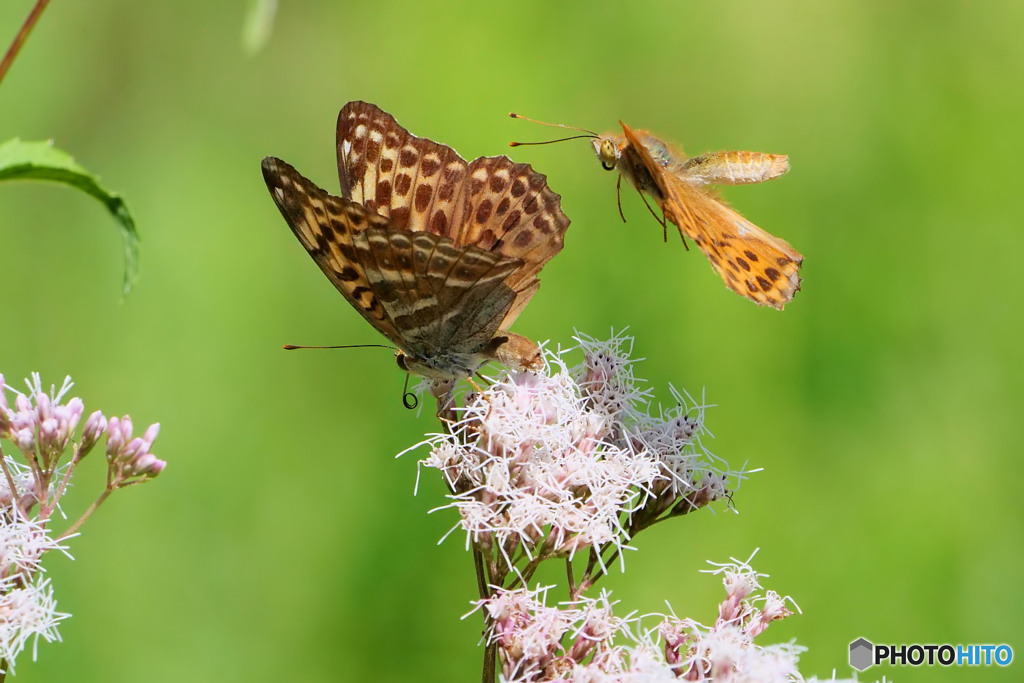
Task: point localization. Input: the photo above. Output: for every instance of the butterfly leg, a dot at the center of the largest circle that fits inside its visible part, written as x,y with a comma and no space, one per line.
661,219
486,381
444,392
618,197
681,235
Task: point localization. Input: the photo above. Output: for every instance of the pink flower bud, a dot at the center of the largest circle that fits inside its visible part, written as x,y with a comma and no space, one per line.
150,436
43,407
48,432
95,426
26,441
5,415
66,421
126,428
115,438
148,465
75,408
133,450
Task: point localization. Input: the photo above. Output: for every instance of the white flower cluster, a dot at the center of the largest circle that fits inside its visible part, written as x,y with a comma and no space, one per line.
28,610
543,465
584,642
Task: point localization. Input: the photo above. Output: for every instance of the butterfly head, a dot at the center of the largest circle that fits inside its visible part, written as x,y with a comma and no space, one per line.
608,152
442,366
511,350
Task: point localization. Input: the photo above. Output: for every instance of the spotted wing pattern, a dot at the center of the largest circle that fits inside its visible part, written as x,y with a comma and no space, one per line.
490,202
752,262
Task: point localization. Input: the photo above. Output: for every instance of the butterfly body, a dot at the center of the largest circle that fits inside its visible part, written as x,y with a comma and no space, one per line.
440,255
752,262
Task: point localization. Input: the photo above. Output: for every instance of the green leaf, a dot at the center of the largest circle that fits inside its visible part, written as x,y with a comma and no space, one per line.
20,160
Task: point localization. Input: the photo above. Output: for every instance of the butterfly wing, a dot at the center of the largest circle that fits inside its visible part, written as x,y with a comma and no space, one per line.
491,203
444,299
327,226
752,262
412,180
508,208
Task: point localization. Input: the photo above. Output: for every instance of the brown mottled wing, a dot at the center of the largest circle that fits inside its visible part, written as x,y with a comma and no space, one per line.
381,165
441,297
327,226
491,203
423,292
752,262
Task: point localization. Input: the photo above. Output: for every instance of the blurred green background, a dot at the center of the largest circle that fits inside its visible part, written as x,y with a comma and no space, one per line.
284,543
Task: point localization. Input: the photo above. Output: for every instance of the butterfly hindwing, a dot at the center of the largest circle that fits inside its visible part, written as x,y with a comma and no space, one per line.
751,262
412,180
438,295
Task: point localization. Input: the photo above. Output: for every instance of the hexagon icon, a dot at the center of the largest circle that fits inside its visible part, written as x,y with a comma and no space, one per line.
861,651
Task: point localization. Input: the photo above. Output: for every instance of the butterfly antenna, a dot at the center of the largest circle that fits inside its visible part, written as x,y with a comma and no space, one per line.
587,133
292,347
409,399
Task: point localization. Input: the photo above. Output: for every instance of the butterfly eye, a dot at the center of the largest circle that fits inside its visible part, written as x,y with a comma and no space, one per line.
607,155
400,358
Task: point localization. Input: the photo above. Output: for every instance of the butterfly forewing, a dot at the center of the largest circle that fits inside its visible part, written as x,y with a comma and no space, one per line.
326,225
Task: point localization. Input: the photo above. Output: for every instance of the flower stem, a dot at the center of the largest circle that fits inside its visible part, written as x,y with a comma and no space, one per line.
490,647
19,39
85,515
12,487
490,659
63,484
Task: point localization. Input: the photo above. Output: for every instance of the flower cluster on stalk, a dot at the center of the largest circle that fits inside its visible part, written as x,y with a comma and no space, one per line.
570,464
583,641
572,461
42,426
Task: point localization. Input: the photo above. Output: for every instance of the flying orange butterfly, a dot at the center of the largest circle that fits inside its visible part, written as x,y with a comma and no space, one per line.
752,262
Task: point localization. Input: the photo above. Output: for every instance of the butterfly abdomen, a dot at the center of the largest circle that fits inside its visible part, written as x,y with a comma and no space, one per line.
734,168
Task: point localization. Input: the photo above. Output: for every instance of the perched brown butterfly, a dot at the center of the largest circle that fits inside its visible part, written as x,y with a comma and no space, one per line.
752,262
438,254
